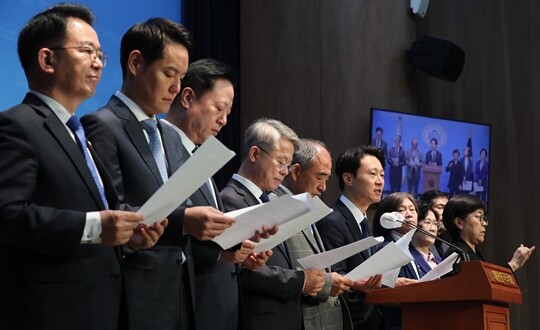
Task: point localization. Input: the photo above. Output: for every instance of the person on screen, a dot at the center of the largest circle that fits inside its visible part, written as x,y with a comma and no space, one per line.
310,169
140,154
199,111
455,180
360,175
434,156
396,161
379,142
421,243
464,217
414,161
481,174
59,235
270,295
468,168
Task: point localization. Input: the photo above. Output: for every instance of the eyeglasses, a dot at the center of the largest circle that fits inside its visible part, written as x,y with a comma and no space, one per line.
429,222
482,218
282,165
92,52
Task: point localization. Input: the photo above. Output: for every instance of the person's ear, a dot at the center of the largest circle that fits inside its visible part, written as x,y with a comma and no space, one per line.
187,97
135,62
254,153
46,60
458,222
348,178
295,170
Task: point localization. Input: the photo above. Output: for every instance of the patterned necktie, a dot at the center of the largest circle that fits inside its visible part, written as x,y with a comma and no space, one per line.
75,126
150,126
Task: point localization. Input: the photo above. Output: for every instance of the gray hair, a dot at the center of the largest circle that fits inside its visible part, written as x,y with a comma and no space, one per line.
266,133
306,154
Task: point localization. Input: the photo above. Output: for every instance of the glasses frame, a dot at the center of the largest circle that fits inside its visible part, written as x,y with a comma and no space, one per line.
94,53
282,165
482,219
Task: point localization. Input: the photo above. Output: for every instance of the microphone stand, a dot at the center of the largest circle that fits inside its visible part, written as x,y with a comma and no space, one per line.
462,255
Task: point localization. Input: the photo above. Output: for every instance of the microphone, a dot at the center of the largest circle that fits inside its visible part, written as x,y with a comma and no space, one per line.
392,220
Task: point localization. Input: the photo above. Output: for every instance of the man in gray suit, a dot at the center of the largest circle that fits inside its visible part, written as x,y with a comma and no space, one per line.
311,168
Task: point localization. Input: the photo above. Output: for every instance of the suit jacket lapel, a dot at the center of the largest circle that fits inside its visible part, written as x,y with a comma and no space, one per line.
134,131
352,224
60,133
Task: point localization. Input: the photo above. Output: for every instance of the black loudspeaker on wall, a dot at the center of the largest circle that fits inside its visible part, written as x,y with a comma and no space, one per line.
437,57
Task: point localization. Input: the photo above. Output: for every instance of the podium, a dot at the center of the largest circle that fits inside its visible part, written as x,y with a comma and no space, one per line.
432,177
476,298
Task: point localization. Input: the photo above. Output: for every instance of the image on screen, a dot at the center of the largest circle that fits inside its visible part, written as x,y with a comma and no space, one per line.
425,153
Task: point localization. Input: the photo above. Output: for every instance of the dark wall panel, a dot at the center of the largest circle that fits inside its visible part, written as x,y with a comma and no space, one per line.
320,65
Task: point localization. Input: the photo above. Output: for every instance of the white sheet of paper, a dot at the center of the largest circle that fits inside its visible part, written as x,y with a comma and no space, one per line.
390,277
441,269
291,228
467,185
478,188
208,159
276,212
328,258
388,258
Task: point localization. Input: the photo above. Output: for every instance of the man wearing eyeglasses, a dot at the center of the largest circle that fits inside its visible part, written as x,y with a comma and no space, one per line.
271,295
59,238
141,154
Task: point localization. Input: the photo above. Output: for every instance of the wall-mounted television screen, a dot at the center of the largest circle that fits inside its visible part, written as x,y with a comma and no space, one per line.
425,153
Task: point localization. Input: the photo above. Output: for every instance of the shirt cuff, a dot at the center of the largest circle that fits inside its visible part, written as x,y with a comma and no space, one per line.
92,229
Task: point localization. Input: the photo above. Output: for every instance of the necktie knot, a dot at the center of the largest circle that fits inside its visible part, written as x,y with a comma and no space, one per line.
150,126
264,197
74,124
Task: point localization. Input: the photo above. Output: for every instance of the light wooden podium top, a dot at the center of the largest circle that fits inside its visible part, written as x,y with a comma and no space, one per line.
476,281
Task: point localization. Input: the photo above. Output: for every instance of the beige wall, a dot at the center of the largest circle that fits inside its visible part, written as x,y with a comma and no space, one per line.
320,65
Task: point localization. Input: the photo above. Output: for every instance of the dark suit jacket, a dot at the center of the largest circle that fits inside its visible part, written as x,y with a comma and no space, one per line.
469,172
456,175
383,147
337,229
153,276
216,287
437,159
271,295
48,279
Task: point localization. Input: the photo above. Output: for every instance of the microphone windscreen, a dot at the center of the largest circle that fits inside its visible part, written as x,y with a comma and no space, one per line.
391,220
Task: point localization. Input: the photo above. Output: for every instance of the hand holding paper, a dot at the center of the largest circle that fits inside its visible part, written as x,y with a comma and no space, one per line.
208,159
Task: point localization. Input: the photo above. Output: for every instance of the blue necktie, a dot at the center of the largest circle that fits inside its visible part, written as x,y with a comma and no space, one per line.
264,197
75,126
150,126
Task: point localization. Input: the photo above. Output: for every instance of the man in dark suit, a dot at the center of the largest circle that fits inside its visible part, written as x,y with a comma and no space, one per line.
361,179
272,294
434,156
468,167
140,154
396,161
379,142
311,168
60,265
199,111
455,167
